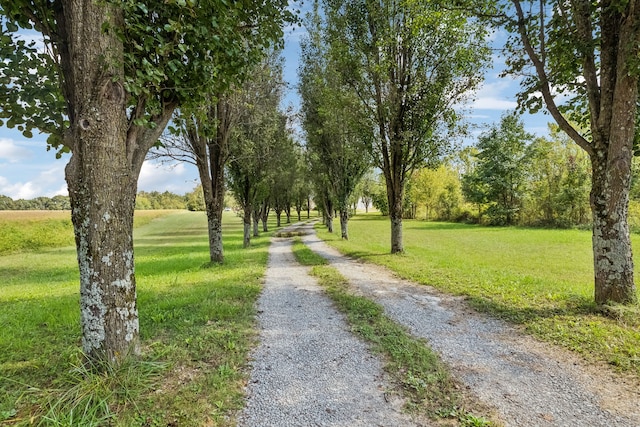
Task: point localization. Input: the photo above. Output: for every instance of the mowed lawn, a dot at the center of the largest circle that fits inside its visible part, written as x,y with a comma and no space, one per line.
196,323
541,279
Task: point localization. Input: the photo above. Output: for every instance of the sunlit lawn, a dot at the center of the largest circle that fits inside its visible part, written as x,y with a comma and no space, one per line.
540,278
197,322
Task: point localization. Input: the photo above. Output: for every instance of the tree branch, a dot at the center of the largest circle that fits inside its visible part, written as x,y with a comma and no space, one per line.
545,87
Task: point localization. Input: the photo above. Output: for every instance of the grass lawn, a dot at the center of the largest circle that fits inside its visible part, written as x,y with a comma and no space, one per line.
196,325
542,279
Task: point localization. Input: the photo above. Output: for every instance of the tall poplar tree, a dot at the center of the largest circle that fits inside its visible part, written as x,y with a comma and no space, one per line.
410,62
339,132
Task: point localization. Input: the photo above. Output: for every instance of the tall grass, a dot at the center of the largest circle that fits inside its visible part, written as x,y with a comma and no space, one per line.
196,327
542,279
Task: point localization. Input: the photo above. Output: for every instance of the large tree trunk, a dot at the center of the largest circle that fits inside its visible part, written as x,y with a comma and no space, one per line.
612,255
217,159
214,211
210,165
101,178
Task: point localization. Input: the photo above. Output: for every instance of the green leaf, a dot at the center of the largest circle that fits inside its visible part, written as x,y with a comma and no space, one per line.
11,27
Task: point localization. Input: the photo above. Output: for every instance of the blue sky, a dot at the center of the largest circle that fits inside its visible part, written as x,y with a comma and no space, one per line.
28,170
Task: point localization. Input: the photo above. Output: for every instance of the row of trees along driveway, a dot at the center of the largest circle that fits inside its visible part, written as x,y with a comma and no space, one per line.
412,63
108,80
112,74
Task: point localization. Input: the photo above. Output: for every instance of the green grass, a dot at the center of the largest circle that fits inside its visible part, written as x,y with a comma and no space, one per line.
423,378
196,323
542,279
22,231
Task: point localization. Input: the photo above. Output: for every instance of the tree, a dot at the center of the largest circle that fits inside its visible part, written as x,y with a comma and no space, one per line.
367,185
201,138
499,175
409,62
557,193
302,184
587,52
195,199
438,190
104,89
254,140
338,131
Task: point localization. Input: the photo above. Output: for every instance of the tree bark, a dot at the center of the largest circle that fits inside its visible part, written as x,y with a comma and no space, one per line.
612,256
256,221
344,222
278,216
395,198
101,178
246,220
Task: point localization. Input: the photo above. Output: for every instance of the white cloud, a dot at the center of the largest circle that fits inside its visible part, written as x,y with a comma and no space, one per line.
47,182
491,103
177,178
13,152
496,95
32,36
19,190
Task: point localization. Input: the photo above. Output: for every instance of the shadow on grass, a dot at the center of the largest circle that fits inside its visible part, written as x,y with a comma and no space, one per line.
576,306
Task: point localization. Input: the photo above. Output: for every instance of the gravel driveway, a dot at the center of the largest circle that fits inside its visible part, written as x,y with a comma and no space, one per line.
309,370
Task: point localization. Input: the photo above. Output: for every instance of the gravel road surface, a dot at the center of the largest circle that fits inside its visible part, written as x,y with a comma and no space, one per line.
528,382
309,370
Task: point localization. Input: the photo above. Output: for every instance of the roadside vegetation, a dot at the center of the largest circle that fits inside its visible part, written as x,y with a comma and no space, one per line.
196,324
540,279
424,380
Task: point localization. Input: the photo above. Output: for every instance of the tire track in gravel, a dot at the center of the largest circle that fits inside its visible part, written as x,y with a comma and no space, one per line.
529,383
308,369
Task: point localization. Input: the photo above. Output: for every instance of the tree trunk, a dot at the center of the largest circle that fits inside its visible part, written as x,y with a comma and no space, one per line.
101,178
246,220
264,216
395,198
215,207
212,179
612,256
278,216
256,220
218,152
344,220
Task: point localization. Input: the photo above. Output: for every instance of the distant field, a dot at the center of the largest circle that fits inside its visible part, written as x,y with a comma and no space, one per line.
542,279
33,230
